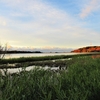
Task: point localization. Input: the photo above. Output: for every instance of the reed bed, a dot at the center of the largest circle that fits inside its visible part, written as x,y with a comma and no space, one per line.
80,81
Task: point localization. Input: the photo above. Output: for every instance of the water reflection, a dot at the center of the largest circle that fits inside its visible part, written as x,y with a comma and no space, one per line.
18,70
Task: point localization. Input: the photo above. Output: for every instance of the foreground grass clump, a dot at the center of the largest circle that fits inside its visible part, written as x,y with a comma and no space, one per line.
81,81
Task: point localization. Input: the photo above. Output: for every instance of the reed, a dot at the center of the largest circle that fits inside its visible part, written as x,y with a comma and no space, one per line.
81,81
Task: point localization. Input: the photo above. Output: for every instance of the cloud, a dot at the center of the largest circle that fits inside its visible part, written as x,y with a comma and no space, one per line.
43,49
89,8
3,21
39,24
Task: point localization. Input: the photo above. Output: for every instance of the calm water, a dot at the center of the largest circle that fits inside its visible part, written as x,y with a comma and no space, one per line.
18,70
35,55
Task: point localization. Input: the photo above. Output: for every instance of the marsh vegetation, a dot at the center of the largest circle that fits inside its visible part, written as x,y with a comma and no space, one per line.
79,81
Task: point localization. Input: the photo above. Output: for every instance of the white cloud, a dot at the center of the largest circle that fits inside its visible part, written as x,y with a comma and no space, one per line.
89,8
47,26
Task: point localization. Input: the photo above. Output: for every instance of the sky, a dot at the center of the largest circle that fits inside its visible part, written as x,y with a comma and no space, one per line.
49,24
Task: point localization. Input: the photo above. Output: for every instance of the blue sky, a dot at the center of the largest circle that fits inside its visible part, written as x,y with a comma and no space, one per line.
50,24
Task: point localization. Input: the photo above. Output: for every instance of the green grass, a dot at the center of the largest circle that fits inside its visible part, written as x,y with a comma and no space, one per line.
81,81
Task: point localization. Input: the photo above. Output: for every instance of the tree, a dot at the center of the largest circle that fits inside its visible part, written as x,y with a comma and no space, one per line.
3,50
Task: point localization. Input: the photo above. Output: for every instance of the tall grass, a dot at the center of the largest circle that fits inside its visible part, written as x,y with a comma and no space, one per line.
81,81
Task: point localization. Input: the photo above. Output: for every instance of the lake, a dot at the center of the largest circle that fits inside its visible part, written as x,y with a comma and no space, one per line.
7,56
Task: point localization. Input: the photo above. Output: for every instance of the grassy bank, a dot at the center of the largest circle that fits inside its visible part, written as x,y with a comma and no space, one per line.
42,61
81,81
30,59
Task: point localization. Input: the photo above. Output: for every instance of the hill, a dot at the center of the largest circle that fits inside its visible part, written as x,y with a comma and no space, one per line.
87,49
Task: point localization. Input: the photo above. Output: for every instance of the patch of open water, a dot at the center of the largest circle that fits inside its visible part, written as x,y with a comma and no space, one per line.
18,70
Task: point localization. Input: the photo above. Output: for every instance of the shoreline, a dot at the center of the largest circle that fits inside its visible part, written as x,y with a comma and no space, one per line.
45,60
